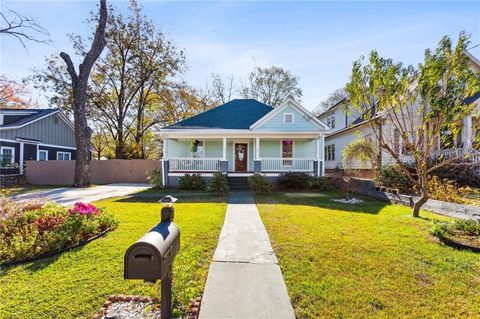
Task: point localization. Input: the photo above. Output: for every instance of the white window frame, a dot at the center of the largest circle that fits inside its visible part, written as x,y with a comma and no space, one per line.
38,155
64,153
12,160
285,118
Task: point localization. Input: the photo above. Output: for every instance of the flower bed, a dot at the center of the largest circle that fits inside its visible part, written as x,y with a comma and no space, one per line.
460,233
33,229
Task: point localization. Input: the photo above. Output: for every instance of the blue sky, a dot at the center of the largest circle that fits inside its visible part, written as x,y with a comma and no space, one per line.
317,41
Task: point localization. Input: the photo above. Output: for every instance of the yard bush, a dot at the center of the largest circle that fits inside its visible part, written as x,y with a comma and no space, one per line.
154,177
219,184
318,183
192,182
260,184
393,177
293,180
34,229
445,190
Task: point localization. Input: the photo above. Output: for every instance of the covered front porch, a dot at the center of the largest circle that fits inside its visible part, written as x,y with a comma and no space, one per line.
243,155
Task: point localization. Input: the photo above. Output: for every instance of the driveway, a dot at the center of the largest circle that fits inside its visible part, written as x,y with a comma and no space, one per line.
67,196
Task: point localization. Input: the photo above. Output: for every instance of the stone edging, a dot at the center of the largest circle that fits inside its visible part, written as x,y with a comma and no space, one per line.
37,258
458,245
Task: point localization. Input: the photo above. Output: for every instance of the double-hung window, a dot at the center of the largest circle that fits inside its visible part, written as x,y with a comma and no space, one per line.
63,156
330,152
7,156
42,155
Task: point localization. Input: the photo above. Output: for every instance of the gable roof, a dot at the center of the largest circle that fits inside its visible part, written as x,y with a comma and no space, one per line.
236,114
296,106
35,114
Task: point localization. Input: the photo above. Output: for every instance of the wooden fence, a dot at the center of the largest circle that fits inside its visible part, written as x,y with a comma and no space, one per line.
102,172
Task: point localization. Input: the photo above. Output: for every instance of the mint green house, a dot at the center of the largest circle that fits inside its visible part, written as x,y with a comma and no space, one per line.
243,137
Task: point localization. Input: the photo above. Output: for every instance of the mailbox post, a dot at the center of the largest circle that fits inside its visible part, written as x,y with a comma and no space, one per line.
151,257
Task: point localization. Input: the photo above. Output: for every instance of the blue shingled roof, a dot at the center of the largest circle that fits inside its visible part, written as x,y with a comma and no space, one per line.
236,114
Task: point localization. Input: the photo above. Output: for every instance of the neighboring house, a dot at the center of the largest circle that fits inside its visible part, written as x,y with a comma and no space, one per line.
347,125
243,137
34,134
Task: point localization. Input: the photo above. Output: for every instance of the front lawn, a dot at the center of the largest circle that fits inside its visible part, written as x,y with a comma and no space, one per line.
76,283
369,260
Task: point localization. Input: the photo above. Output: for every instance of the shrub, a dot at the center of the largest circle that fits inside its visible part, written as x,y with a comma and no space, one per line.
294,180
260,184
318,183
31,229
219,183
393,177
192,182
154,177
444,189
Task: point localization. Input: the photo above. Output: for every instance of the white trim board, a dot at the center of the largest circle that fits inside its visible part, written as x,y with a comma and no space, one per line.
295,105
64,118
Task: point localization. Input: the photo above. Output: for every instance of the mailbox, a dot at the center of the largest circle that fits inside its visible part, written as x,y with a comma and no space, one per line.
151,257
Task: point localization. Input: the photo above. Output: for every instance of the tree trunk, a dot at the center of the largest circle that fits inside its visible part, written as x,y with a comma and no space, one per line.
79,89
418,204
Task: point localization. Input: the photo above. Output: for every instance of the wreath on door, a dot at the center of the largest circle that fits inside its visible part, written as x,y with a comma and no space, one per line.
240,152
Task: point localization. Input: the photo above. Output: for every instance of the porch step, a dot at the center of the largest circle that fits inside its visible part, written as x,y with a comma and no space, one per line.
238,183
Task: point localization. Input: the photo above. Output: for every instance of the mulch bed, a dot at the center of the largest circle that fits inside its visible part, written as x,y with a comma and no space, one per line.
459,244
138,307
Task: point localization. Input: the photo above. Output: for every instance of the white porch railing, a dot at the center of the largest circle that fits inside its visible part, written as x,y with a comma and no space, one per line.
287,165
448,153
194,164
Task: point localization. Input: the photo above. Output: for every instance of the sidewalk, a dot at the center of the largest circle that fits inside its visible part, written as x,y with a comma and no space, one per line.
244,280
67,196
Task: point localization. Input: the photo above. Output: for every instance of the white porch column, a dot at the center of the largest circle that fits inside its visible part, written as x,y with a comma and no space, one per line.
322,153
224,154
165,148
468,134
317,149
257,148
21,158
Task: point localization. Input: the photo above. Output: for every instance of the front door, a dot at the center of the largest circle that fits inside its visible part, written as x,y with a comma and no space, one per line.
241,157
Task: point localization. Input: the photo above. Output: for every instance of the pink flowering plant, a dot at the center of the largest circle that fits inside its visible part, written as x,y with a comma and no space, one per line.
84,209
33,228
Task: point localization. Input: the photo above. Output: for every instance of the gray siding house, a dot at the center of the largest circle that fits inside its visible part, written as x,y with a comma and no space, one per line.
34,134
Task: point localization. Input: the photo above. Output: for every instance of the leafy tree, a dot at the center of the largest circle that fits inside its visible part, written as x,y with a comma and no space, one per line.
412,106
12,94
271,86
335,97
79,82
127,82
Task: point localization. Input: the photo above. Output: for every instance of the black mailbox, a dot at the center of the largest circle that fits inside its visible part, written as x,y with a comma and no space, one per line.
151,257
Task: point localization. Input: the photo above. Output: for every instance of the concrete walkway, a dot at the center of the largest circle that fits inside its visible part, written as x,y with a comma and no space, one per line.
67,196
244,280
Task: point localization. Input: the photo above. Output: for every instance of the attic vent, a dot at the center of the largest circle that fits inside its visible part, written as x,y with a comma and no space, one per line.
55,119
288,118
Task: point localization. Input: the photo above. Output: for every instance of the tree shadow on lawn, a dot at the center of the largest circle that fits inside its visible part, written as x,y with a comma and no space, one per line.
324,200
183,196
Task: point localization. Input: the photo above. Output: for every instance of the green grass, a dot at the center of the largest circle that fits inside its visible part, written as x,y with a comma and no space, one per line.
76,283
370,260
